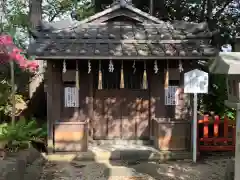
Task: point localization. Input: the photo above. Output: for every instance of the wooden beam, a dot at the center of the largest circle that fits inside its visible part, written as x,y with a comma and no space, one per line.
137,58
66,40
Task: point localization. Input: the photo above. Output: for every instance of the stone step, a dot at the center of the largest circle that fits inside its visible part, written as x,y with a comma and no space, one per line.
121,142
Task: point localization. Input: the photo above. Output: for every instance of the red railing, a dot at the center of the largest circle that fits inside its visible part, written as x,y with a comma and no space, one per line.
215,134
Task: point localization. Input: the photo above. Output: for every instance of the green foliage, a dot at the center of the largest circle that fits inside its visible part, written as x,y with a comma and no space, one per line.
56,8
214,100
6,105
230,113
15,20
21,134
84,10
5,91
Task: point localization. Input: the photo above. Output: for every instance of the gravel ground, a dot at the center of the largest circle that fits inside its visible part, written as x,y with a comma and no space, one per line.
211,168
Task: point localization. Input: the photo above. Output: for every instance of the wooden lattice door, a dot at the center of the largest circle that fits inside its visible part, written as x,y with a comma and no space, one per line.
135,114
121,112
107,121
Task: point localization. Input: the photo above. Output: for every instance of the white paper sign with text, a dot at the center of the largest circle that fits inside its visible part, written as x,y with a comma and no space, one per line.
196,81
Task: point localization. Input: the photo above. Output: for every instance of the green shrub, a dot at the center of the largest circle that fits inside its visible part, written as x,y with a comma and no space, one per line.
21,134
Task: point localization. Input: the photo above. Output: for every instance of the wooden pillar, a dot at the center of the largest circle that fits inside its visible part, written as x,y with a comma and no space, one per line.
237,146
54,89
90,105
49,90
157,107
150,74
57,91
182,111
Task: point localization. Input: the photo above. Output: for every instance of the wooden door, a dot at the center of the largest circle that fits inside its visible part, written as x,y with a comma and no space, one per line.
107,115
121,113
135,115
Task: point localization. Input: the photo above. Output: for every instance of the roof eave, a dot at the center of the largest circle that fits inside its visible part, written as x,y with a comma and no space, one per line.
226,63
124,57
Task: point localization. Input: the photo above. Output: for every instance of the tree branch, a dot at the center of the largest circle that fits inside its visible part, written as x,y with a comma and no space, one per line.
54,16
220,11
203,8
57,12
209,10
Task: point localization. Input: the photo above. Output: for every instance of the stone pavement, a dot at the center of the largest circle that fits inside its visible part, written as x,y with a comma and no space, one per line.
128,152
71,168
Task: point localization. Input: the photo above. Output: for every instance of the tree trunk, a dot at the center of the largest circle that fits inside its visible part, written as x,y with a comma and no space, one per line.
35,12
151,5
160,9
35,17
203,9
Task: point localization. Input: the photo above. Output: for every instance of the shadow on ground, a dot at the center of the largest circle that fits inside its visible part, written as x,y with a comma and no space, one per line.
22,165
72,166
129,166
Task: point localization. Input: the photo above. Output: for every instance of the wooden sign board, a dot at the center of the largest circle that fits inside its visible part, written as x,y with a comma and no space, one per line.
71,97
196,81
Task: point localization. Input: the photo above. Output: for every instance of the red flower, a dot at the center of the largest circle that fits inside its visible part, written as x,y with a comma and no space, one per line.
32,65
6,40
10,52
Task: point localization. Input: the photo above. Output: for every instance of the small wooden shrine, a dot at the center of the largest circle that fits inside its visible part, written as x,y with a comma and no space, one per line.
120,71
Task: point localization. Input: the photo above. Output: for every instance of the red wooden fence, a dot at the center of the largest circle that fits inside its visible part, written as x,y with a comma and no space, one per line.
215,134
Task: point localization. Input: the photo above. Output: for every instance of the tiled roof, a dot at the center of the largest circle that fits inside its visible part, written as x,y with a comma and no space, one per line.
121,39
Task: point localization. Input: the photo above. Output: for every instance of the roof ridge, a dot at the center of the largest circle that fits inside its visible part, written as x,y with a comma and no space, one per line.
122,4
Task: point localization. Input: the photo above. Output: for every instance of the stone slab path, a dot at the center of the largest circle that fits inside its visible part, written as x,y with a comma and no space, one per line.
211,168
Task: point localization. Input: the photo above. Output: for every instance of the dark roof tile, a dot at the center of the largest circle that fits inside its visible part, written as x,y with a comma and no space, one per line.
129,49
117,39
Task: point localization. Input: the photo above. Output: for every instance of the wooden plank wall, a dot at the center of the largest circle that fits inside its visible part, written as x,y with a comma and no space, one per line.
171,123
